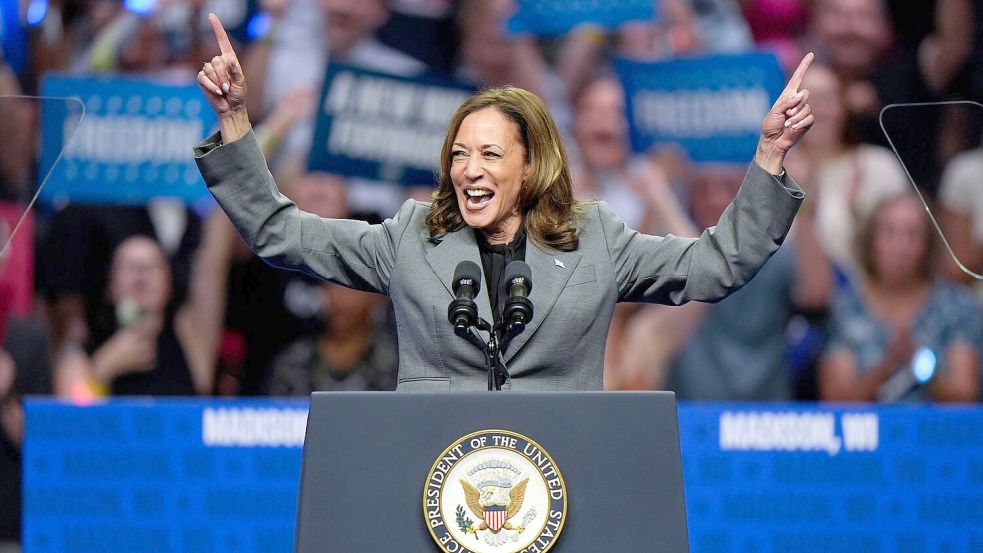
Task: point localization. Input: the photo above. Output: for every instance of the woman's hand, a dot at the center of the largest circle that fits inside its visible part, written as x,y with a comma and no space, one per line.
786,122
224,85
130,349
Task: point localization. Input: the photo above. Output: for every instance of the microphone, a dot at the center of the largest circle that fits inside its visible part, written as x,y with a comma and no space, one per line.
518,285
462,312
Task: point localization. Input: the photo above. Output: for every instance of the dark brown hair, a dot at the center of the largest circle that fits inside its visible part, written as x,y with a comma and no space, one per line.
546,203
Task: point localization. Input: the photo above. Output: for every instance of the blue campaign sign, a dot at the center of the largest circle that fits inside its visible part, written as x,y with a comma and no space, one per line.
557,17
382,127
711,106
133,144
206,476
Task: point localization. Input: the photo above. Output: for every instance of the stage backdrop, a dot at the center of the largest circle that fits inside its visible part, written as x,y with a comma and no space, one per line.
210,476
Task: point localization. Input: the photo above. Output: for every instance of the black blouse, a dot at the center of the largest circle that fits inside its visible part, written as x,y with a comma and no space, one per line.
494,259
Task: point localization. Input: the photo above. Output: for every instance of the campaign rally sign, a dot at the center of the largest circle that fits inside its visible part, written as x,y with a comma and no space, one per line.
133,144
221,476
711,106
557,17
382,127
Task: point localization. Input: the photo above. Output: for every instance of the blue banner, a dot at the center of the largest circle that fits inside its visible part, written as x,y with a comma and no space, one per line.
557,17
133,144
208,476
712,107
382,127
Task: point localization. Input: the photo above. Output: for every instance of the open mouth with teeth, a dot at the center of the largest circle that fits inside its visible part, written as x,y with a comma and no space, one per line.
478,198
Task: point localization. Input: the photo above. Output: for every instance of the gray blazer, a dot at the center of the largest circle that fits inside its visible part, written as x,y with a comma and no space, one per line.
574,293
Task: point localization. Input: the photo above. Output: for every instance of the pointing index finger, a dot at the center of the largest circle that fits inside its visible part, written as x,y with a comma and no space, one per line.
796,81
224,44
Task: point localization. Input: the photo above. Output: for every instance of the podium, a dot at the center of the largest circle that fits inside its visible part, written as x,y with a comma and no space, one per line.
401,472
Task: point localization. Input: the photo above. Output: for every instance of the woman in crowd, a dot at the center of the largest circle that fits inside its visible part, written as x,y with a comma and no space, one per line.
879,331
148,343
847,178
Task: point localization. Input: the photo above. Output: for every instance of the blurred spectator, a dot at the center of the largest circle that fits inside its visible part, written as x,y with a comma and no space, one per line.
15,121
916,60
603,154
146,343
490,57
268,308
849,177
721,26
429,20
639,191
76,252
738,350
674,32
342,30
937,35
355,348
282,65
24,369
877,328
961,197
777,25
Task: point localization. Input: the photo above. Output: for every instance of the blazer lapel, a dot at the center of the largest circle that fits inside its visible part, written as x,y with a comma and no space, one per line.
550,272
454,248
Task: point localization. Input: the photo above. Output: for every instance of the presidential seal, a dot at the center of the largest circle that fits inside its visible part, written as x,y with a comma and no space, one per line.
495,491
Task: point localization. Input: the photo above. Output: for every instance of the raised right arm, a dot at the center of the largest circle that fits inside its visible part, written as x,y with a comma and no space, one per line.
351,253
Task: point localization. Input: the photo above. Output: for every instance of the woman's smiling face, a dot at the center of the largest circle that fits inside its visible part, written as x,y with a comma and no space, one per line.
488,167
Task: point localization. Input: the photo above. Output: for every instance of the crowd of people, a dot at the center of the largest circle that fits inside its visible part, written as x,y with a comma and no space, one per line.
160,299
863,302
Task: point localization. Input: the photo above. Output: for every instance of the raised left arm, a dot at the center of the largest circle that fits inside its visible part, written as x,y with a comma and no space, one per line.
675,270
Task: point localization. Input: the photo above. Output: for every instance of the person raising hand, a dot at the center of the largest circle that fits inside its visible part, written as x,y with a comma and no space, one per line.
224,85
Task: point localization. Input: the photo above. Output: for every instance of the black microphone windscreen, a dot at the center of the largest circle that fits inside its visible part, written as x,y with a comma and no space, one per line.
519,269
467,270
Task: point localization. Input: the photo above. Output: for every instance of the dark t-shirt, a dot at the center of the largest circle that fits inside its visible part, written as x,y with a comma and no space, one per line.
170,376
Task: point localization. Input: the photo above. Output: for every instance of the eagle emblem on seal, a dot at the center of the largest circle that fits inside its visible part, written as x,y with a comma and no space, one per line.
494,497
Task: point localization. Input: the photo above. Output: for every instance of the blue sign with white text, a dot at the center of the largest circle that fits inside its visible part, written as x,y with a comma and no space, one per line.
133,144
712,107
557,17
382,127
205,476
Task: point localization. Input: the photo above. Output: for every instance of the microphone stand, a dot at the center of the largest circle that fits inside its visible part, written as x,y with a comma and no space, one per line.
489,348
493,347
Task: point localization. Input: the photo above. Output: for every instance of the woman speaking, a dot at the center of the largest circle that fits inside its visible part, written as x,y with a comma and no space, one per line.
504,194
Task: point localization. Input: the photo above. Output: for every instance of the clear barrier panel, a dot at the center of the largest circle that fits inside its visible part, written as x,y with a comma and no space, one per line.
938,146
35,132
28,158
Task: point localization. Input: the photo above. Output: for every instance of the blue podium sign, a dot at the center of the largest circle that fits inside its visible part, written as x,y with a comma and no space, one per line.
208,476
382,127
711,106
133,144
